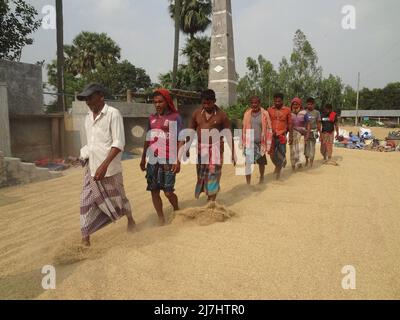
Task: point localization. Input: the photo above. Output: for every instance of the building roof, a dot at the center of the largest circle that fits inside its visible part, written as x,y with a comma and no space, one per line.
370,113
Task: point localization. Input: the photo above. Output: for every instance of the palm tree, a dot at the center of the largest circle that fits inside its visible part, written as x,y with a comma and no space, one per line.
198,50
60,55
90,49
195,15
177,18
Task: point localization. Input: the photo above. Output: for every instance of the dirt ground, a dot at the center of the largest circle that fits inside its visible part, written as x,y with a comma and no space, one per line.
283,240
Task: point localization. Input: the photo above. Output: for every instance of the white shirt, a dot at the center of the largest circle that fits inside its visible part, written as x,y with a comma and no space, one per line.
102,134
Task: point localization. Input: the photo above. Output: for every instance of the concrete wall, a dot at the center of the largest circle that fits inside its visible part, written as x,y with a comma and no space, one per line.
24,83
5,144
36,137
31,138
20,94
14,172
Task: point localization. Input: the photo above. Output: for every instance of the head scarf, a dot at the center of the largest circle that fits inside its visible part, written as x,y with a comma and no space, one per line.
167,96
299,101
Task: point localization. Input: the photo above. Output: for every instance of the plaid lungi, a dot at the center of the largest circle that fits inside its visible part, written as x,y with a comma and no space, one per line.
309,147
102,202
327,139
208,178
297,149
278,155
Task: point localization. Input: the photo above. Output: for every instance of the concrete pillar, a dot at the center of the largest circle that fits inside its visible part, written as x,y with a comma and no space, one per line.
222,74
3,174
5,142
62,136
129,96
55,137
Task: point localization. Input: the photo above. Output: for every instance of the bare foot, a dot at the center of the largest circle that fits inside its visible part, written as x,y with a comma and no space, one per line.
131,225
261,181
161,221
86,242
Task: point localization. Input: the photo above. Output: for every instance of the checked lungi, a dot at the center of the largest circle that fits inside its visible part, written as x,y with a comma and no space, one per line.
278,149
297,149
209,170
102,202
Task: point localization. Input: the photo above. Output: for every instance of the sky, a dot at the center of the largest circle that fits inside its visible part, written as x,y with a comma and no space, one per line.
145,33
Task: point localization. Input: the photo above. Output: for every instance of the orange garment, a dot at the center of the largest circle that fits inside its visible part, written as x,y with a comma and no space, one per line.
281,120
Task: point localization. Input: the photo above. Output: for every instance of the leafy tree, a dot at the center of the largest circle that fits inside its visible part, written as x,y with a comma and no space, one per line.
194,18
119,77
194,75
17,21
349,98
97,60
90,50
330,91
261,80
195,15
305,73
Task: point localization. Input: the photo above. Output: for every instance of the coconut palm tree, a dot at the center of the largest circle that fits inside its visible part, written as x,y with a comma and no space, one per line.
60,55
195,15
177,18
90,49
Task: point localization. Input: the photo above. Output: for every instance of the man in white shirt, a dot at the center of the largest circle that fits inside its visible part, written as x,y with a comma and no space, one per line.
103,198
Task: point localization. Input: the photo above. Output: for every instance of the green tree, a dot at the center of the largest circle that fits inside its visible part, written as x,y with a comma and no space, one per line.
261,80
90,50
177,19
195,15
306,74
97,60
17,21
193,75
194,18
119,77
331,91
349,98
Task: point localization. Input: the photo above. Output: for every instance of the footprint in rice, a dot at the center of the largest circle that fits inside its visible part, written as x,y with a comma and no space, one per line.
72,251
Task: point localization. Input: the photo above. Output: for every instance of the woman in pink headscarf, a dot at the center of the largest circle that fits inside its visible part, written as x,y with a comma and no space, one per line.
297,157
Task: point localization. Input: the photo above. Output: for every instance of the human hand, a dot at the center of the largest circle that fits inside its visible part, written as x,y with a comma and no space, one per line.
143,165
176,168
101,172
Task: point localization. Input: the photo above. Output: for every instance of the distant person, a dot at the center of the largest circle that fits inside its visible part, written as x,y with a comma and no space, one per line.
313,119
330,124
281,120
256,118
210,118
103,198
163,164
300,134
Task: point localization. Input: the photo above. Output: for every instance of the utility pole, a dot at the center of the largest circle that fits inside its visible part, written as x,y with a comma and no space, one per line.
358,97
